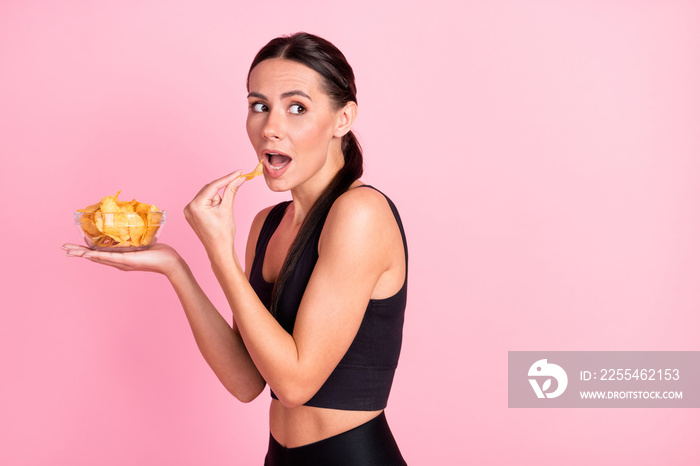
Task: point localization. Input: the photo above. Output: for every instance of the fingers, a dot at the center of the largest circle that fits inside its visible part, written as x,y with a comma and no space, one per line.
74,250
211,190
209,196
232,189
109,258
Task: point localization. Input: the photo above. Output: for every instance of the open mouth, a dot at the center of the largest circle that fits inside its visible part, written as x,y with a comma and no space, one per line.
277,161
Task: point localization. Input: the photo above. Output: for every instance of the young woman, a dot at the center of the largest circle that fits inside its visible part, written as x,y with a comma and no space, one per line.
318,311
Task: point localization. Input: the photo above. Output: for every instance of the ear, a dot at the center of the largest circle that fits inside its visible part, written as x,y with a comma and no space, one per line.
346,118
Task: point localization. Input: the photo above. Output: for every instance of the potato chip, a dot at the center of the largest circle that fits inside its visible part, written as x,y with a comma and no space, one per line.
99,222
87,223
142,207
137,227
110,204
257,172
153,218
126,207
103,241
116,225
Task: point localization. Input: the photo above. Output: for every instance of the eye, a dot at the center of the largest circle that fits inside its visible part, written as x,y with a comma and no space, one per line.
258,107
297,109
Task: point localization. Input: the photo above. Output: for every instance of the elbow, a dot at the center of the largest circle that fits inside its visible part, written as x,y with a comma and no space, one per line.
289,402
294,396
245,394
245,397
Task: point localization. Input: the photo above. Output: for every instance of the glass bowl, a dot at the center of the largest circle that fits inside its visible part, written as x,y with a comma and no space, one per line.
120,231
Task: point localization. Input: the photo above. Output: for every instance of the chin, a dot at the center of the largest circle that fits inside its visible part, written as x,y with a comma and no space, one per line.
277,186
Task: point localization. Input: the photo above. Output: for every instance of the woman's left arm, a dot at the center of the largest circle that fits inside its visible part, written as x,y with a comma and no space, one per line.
354,251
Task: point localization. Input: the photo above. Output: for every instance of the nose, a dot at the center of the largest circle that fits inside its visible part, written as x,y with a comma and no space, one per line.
272,130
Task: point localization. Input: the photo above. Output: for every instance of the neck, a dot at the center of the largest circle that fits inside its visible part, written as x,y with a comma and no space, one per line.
306,194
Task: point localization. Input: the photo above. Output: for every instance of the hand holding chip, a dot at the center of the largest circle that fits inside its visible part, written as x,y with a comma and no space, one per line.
211,215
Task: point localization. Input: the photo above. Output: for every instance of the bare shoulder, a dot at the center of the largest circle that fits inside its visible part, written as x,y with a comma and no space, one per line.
359,204
360,214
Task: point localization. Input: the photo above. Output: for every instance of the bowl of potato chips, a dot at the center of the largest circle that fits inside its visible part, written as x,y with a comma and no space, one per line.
114,225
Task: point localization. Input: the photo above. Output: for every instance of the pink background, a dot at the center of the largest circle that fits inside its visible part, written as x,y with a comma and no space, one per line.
543,154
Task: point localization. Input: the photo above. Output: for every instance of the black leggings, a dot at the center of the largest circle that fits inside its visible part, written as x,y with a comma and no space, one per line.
367,445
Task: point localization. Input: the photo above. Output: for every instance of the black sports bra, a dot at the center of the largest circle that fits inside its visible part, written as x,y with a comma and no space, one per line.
362,380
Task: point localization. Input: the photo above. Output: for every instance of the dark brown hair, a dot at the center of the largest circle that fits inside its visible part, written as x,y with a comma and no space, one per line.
339,84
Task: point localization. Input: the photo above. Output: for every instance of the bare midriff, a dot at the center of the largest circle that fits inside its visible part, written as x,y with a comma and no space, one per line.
294,427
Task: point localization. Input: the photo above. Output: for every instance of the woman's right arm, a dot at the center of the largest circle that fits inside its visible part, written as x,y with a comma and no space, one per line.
220,343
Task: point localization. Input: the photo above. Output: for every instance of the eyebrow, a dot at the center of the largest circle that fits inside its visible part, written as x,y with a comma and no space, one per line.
283,96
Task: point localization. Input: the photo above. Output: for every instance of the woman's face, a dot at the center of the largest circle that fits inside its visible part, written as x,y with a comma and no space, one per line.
292,125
